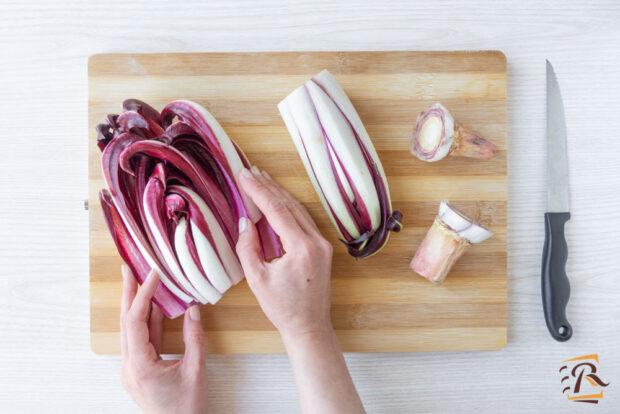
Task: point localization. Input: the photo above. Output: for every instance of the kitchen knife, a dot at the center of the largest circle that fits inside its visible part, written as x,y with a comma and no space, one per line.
555,284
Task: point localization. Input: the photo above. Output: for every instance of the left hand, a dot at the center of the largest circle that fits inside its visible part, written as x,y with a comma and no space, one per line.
159,386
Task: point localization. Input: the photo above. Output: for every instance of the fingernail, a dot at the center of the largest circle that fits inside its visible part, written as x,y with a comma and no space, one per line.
243,224
255,170
194,313
266,175
246,173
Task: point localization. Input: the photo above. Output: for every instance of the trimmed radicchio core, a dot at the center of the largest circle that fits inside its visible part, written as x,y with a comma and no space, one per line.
173,203
437,135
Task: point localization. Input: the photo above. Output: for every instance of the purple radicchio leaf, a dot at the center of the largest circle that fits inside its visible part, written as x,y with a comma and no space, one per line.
147,161
170,305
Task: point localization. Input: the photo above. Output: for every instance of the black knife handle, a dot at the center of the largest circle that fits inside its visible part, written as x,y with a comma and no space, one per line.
555,284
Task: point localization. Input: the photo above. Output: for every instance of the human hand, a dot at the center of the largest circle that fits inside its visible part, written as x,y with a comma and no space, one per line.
294,290
159,386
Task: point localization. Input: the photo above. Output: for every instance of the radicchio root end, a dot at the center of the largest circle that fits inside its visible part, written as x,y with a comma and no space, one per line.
436,136
471,145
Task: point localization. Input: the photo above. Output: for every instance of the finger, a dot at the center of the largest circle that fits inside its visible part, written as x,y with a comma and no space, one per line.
299,211
140,307
130,288
194,338
156,327
273,207
249,251
138,344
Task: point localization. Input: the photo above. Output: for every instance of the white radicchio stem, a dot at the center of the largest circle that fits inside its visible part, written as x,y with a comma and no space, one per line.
191,269
448,238
342,163
437,135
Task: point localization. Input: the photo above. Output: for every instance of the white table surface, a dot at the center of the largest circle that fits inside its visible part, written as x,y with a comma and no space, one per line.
45,360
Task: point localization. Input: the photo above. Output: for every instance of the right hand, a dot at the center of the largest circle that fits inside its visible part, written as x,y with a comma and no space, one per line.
294,290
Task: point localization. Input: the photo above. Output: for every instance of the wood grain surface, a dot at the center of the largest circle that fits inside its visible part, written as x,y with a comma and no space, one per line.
379,304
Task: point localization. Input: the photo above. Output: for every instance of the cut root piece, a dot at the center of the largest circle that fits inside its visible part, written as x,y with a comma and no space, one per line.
436,135
471,145
439,251
448,238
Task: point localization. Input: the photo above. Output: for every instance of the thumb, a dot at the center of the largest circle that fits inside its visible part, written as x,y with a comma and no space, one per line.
194,338
249,250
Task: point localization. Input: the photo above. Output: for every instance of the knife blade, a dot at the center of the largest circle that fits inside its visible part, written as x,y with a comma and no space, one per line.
555,283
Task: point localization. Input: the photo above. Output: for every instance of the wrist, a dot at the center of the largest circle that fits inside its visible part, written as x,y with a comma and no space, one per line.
308,335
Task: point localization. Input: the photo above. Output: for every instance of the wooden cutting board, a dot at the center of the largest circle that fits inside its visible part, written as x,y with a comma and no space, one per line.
379,305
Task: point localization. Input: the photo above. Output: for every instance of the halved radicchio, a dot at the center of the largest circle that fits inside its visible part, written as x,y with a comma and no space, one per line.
173,203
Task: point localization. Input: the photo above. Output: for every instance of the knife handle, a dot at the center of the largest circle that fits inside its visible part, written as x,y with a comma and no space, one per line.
555,284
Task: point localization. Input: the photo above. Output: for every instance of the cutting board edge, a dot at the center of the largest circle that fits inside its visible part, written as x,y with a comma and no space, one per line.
273,339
